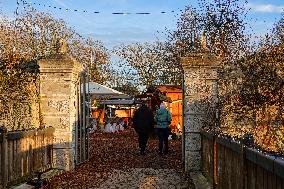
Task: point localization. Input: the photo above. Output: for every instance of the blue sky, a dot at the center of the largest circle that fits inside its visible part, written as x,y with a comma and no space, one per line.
115,29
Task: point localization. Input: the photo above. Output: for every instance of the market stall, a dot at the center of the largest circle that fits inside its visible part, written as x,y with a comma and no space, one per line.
110,108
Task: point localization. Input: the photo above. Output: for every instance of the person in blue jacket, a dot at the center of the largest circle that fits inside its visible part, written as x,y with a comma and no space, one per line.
163,120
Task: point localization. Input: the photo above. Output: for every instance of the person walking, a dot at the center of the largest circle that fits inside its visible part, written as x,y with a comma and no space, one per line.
163,119
143,123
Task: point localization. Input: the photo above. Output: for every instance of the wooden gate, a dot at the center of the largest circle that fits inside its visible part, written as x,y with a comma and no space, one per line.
81,127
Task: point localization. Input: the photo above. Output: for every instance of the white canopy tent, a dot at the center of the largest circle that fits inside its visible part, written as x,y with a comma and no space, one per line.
98,91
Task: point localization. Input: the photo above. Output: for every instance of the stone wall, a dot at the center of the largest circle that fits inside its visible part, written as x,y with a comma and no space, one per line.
59,78
200,100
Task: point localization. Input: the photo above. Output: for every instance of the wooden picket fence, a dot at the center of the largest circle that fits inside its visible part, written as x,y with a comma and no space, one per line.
229,164
23,154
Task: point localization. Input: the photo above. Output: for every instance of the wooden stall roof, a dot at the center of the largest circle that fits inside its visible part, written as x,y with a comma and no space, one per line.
170,88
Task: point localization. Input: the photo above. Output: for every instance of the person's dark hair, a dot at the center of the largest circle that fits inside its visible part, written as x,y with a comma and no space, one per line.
144,102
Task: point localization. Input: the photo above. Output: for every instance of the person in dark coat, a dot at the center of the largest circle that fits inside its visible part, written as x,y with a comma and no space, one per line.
143,122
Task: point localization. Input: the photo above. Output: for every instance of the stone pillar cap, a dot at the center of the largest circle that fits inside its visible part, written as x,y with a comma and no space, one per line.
200,60
59,63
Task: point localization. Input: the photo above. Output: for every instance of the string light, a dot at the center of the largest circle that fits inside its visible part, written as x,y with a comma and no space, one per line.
95,12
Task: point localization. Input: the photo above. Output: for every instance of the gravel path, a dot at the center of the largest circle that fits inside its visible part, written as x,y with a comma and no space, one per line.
144,178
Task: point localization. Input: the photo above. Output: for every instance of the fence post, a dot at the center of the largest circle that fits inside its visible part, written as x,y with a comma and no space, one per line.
4,157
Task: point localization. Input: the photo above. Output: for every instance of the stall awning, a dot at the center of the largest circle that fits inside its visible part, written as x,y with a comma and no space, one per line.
120,102
98,91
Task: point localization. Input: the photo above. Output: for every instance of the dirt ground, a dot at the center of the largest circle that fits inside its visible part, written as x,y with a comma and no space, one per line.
119,152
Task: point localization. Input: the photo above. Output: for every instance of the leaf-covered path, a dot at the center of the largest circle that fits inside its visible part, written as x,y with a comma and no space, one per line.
116,163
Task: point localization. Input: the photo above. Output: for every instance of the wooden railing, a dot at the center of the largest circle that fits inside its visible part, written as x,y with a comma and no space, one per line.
231,165
23,153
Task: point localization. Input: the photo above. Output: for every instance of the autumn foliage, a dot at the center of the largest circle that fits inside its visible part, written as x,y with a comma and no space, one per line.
252,99
30,36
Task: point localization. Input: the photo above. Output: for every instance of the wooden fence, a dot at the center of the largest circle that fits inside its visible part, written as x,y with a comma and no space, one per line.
23,153
229,164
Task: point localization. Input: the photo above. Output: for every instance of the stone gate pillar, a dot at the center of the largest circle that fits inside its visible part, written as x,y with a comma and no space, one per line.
59,77
200,100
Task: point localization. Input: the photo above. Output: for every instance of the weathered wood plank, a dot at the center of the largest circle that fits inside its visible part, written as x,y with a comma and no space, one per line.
18,164
45,151
38,155
228,168
259,177
224,184
215,162
1,164
14,159
265,179
43,146
279,183
30,154
271,180
24,159
207,158
219,165
35,154
4,162
27,155
13,150
10,160
225,173
241,171
252,175
236,177
246,174
211,165
231,169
